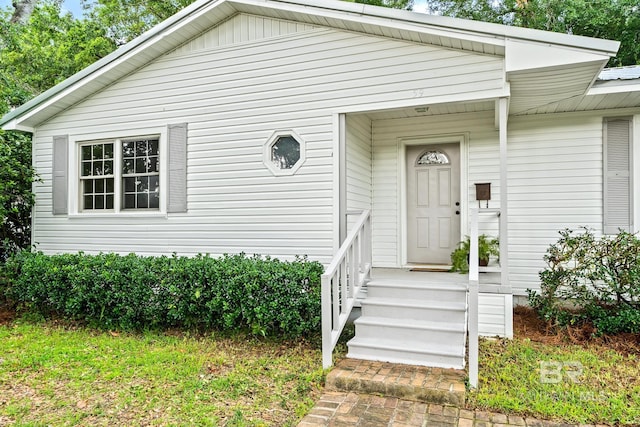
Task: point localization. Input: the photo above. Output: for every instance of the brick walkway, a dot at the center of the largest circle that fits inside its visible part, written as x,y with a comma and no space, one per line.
348,409
373,394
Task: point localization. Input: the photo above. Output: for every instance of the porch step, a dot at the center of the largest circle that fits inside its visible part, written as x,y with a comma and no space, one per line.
417,383
383,328
409,353
414,291
412,308
412,323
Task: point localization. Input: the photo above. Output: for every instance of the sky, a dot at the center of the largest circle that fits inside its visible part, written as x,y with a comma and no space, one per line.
74,6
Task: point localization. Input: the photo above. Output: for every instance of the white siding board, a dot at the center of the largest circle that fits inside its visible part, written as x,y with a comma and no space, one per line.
234,96
494,314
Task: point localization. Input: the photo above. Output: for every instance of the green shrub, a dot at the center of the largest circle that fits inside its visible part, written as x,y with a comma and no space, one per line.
591,279
234,292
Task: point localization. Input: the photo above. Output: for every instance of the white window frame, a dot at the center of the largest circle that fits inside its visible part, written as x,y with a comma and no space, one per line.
75,163
266,156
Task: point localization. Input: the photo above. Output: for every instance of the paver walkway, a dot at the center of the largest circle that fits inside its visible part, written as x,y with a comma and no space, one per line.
374,394
348,409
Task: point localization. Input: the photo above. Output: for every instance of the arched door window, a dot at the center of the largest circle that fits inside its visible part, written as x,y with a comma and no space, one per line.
432,157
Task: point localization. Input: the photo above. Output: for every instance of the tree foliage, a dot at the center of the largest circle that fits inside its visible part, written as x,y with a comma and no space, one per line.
16,198
608,19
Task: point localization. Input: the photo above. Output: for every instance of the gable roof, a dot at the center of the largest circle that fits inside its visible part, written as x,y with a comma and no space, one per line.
525,49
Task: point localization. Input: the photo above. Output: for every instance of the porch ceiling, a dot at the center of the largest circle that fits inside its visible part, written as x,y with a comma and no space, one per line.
431,110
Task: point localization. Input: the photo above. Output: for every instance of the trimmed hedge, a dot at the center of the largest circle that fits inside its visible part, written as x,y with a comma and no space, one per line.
234,292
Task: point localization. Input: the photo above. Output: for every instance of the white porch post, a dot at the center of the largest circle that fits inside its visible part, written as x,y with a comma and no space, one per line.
504,217
342,177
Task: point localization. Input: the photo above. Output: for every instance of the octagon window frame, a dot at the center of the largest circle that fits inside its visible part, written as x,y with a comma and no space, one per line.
267,152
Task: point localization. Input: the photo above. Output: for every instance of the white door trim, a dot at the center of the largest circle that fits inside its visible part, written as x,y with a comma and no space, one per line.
460,138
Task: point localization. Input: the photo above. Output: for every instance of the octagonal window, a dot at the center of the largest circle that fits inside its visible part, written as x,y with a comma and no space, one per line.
284,153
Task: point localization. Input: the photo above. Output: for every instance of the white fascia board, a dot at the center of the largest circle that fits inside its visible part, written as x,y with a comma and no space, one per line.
14,125
620,88
377,16
463,26
523,55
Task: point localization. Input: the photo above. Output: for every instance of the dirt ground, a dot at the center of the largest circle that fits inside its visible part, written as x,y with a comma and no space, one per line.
527,324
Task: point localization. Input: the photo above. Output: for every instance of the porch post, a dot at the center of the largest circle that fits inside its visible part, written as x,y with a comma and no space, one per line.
342,177
504,217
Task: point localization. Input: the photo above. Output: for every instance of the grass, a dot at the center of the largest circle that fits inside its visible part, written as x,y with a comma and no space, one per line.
55,375
574,383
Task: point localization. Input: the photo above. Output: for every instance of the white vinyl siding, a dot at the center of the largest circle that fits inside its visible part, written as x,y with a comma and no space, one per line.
617,175
495,315
484,166
242,28
555,182
234,98
359,173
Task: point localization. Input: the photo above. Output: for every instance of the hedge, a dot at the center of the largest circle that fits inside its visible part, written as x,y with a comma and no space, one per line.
234,292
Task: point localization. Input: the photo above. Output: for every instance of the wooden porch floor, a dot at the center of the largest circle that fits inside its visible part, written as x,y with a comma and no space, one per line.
431,277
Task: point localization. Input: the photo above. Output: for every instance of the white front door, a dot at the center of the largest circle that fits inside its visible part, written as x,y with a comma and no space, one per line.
433,202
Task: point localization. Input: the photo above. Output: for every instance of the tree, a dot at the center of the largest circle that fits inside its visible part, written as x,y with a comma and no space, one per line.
22,10
609,19
16,198
35,55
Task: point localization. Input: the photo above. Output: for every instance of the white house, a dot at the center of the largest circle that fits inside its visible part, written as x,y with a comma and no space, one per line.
267,126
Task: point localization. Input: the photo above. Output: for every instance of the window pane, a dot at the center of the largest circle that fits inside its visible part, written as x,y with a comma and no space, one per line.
88,186
109,202
141,166
108,167
141,148
88,202
153,164
143,200
285,152
154,184
98,168
86,168
86,152
142,184
99,185
153,147
110,188
97,151
127,149
130,201
434,157
99,202
129,185
154,200
108,151
127,167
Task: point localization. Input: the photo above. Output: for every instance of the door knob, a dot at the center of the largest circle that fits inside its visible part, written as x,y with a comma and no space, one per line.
457,203
457,212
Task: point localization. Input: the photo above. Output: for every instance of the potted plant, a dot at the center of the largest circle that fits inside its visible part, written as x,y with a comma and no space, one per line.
487,247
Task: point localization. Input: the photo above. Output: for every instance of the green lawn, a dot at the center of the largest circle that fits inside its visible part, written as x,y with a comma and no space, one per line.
574,383
52,375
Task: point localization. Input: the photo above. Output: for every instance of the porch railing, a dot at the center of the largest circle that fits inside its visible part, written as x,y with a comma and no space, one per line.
342,280
474,269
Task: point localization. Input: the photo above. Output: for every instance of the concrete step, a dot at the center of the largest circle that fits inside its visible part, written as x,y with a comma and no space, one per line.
403,330
415,291
417,383
442,355
396,308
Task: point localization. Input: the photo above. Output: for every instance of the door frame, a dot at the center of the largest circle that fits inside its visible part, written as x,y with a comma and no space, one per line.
460,138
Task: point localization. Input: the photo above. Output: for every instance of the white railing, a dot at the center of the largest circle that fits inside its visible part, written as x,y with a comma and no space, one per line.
474,269
342,280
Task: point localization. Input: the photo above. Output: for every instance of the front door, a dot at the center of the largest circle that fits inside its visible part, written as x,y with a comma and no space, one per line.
433,202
